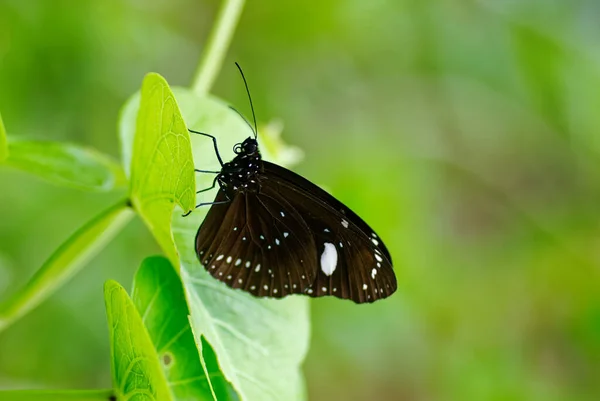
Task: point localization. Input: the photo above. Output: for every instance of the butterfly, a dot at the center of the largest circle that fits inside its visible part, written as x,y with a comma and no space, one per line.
273,233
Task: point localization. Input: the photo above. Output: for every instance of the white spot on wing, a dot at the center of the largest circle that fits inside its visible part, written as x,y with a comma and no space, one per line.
379,259
344,223
329,259
257,269
374,241
282,214
220,257
365,287
238,262
247,264
285,234
277,241
229,258
373,273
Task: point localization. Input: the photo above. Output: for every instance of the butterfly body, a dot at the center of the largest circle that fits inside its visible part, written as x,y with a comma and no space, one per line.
241,174
272,233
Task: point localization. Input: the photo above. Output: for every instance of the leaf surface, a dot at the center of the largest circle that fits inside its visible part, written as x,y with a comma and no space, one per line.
260,344
159,298
137,374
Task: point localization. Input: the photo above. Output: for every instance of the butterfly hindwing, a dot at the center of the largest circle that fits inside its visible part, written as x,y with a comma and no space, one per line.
257,243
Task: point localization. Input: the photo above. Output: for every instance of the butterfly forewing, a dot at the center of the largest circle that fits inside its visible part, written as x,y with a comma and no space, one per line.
307,189
352,262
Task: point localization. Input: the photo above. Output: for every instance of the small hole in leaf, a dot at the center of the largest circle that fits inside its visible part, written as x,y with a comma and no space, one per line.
167,359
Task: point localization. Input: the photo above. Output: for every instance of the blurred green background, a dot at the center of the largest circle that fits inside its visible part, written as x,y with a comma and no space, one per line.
465,132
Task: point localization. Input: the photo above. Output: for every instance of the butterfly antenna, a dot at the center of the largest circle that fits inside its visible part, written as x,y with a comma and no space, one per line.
243,118
249,98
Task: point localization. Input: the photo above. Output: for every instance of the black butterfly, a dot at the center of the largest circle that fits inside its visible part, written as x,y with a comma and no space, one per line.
272,233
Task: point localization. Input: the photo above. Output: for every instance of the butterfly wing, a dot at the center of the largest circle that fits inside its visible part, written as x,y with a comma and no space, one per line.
352,262
258,243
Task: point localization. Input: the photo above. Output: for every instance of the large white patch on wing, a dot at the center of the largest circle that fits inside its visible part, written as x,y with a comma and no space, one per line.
329,259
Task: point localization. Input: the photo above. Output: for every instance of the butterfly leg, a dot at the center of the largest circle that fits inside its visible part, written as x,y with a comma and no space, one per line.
213,203
206,171
214,143
207,204
214,183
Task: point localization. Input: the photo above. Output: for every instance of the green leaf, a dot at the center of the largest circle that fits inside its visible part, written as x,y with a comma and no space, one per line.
66,164
162,169
66,261
56,395
260,344
136,370
159,298
3,142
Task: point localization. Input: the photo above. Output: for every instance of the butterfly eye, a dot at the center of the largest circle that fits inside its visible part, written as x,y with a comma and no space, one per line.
250,147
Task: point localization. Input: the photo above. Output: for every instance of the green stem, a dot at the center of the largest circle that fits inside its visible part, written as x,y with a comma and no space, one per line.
66,261
217,45
3,142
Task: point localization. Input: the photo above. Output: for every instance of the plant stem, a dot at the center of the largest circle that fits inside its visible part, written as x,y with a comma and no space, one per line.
3,142
218,42
66,261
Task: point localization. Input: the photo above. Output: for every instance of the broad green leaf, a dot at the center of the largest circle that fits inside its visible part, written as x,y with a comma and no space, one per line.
66,261
66,164
162,169
260,344
159,298
136,370
57,395
3,141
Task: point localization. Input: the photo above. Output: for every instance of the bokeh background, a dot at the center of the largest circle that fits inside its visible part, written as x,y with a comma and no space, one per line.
465,132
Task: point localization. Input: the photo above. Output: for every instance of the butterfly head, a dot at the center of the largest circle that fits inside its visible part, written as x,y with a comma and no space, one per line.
249,147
